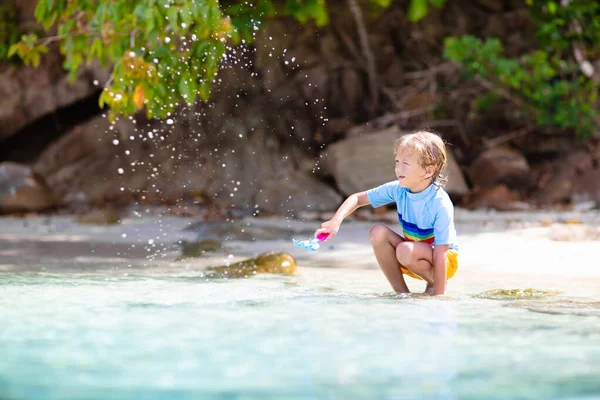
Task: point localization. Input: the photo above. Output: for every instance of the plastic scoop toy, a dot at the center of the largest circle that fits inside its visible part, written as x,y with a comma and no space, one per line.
311,244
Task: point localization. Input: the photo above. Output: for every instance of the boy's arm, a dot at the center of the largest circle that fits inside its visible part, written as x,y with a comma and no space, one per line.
353,202
350,205
440,265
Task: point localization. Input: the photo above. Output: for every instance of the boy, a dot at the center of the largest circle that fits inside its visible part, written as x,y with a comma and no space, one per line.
427,248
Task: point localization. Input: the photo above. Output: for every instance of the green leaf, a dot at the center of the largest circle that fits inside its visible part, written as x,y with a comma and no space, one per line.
417,10
204,90
35,59
173,15
381,3
40,11
14,49
186,89
95,51
437,3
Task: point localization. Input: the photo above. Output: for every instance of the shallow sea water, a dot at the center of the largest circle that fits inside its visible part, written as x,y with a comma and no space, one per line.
323,334
84,325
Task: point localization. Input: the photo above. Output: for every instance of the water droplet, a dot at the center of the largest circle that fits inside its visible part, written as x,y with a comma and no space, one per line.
169,121
120,171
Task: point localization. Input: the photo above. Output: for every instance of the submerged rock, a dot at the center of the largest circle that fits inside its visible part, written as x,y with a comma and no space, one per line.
23,190
198,249
99,217
266,263
504,294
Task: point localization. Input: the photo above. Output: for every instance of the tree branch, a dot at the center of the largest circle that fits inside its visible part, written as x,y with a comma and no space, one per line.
509,136
443,67
503,92
368,54
393,117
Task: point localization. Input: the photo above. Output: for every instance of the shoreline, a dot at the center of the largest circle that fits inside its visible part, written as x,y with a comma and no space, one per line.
528,243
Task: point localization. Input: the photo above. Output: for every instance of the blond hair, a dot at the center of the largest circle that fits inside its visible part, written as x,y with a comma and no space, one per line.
430,148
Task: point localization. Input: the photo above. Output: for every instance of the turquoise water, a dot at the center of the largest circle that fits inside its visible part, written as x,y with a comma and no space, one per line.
168,333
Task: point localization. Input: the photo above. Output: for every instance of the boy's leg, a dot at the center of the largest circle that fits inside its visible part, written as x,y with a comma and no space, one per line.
418,258
384,242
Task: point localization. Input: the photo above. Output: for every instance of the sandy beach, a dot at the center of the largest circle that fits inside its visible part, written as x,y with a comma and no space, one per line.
542,250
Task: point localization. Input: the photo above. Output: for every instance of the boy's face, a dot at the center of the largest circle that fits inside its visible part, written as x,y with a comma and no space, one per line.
410,173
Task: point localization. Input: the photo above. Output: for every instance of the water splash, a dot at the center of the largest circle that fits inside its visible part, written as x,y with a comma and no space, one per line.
311,244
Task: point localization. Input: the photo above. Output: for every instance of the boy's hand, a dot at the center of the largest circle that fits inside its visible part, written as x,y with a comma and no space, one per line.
331,227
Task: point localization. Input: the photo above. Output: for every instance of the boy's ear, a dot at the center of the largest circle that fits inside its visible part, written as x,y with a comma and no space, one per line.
430,170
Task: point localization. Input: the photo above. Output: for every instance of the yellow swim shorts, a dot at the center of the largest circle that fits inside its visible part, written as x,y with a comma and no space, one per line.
450,271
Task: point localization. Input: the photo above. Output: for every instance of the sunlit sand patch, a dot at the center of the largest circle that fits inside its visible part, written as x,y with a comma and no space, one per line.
507,294
574,233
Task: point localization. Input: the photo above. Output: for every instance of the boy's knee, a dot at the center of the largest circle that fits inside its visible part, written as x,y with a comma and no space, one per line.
378,233
404,253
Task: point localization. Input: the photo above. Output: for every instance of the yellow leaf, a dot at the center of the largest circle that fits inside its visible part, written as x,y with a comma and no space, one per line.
139,97
226,25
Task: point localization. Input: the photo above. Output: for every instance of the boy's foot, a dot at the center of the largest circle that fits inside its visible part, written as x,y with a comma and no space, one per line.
429,288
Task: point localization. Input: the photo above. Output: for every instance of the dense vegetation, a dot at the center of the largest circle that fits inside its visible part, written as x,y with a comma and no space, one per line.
556,85
164,52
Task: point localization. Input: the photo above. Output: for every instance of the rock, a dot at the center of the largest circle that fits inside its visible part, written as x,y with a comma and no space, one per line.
574,177
230,167
498,197
266,263
457,185
587,184
198,249
294,192
587,190
23,190
29,93
366,160
100,217
501,165
555,186
362,161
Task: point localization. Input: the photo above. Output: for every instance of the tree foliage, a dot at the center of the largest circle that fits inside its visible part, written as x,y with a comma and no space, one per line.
10,32
161,52
556,84
164,52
